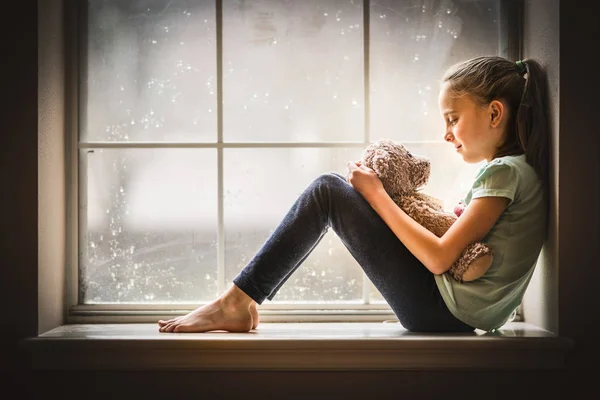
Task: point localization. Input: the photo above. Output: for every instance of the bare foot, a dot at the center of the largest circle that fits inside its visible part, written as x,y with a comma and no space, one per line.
231,312
211,317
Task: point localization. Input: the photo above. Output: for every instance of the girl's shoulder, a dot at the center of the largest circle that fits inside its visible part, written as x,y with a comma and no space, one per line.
517,165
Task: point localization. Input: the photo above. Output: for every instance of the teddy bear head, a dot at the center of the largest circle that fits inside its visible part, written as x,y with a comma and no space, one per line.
400,171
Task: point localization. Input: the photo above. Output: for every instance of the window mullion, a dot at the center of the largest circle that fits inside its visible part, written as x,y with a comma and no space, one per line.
220,189
366,49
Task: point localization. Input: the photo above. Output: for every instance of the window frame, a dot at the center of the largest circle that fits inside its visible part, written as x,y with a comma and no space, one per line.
510,25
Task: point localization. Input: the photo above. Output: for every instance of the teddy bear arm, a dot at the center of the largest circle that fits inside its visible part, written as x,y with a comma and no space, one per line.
472,264
426,214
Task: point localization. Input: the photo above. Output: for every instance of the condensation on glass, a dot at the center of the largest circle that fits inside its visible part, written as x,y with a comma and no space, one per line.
292,71
150,71
151,221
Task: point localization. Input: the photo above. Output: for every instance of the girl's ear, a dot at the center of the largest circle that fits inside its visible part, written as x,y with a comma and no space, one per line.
496,110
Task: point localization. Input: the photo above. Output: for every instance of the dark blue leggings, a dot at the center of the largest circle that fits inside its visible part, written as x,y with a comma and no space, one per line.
329,201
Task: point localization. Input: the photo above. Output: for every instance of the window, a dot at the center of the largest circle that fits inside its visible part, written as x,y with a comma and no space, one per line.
201,121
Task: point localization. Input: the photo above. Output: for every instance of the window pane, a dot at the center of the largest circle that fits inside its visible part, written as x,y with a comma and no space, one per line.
412,42
261,186
151,71
151,234
293,70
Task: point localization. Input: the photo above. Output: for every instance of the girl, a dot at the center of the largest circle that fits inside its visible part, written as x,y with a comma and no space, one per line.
494,110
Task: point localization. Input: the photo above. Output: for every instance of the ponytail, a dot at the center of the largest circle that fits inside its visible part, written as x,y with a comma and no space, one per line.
532,120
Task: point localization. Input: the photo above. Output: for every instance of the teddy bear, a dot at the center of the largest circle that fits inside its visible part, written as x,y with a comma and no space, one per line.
403,176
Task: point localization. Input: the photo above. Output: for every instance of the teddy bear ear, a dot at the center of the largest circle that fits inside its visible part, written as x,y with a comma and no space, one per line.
380,162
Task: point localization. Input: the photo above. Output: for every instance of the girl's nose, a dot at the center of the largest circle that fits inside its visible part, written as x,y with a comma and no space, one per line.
448,137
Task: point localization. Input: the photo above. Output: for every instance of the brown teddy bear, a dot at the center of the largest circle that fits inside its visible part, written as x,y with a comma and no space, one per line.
403,175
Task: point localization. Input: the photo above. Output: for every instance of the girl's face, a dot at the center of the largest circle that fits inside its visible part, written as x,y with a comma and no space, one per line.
470,128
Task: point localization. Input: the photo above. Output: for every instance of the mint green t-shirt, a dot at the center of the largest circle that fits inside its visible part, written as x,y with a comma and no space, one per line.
516,240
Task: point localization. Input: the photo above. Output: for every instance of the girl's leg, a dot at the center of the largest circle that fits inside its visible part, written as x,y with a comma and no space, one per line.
330,201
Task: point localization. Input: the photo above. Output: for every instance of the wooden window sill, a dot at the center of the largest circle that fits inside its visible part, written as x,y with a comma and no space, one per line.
294,346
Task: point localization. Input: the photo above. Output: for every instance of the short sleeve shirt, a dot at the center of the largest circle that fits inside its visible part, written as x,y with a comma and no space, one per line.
516,240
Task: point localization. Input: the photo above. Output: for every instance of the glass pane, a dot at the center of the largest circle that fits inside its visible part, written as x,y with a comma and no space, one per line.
151,71
293,70
261,186
151,234
412,42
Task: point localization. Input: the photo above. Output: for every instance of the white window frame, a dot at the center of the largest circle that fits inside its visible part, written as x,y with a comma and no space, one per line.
510,46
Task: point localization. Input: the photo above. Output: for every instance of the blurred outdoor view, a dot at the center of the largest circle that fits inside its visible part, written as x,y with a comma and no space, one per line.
292,71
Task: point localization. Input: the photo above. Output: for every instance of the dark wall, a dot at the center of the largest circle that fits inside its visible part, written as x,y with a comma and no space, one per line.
18,176
579,177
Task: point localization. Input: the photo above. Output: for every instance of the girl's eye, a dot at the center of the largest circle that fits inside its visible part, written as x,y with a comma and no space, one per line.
452,121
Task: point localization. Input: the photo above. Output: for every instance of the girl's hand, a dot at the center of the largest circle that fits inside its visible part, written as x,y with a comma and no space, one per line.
363,179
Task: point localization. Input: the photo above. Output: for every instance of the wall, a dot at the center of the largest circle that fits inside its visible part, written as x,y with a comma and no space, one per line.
18,178
51,166
579,177
540,39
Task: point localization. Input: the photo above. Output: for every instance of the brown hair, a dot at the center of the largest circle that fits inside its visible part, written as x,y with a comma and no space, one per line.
522,87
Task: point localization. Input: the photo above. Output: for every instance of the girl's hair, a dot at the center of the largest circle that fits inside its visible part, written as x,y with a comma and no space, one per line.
522,86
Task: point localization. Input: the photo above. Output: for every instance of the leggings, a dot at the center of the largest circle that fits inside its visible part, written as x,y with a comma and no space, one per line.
330,201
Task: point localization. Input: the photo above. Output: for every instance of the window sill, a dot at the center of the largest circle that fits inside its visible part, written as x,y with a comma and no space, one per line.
294,346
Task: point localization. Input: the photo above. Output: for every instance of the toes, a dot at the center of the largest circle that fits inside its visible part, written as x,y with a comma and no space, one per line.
183,328
163,322
168,327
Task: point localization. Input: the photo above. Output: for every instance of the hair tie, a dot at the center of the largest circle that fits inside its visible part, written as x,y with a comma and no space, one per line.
521,67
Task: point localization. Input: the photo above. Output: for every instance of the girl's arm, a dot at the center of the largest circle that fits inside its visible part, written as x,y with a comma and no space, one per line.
438,254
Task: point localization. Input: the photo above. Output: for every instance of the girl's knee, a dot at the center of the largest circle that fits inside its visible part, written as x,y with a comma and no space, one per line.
331,182
331,179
